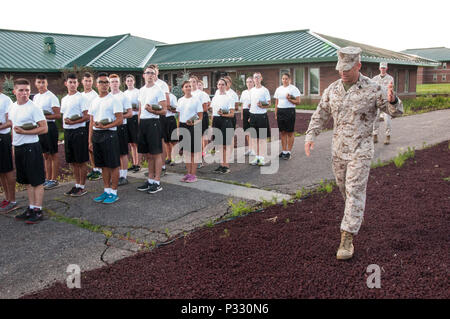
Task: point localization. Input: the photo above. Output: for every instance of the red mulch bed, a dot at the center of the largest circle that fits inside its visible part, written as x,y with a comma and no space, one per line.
406,232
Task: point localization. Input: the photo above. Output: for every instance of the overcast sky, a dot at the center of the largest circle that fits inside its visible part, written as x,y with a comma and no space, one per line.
394,25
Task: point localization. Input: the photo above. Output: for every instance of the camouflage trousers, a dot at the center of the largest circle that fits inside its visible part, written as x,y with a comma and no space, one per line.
387,119
351,178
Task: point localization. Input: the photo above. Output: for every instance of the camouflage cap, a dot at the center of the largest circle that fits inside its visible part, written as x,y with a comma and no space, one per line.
383,65
347,58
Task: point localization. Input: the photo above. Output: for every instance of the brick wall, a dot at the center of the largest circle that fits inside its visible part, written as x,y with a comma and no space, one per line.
426,75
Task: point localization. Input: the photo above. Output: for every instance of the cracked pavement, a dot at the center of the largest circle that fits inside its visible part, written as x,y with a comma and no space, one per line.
33,256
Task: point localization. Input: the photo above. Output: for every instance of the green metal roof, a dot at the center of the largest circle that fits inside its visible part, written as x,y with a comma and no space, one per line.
23,51
302,46
441,54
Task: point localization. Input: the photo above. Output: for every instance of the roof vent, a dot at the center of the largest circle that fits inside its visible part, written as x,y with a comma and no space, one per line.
49,45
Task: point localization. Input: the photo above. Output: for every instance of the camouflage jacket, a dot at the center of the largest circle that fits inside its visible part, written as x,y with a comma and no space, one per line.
353,113
383,81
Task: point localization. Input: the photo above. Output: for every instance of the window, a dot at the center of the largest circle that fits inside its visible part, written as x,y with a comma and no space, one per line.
444,77
174,79
299,79
434,77
283,71
205,81
444,65
166,77
314,81
406,81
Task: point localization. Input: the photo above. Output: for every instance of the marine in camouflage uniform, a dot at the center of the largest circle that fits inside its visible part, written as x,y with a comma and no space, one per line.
383,81
353,108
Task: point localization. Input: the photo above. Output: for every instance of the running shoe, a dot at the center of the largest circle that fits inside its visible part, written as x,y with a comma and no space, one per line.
73,190
167,161
137,168
261,162
111,199
172,163
163,172
154,188
185,177
255,161
144,187
287,156
51,185
89,176
218,169
225,170
24,215
132,168
101,198
35,217
45,183
281,155
8,208
79,192
3,204
191,179
95,176
123,181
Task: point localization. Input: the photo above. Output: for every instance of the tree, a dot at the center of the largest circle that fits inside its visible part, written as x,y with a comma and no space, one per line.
176,90
8,87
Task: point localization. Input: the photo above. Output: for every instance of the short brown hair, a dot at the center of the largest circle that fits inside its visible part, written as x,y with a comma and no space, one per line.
184,83
152,66
194,77
87,75
21,81
130,76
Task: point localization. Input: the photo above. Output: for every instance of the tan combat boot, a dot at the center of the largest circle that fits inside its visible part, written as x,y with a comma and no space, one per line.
346,249
388,140
375,139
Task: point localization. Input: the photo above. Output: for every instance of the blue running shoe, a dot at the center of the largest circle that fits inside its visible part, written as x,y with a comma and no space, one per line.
101,198
111,199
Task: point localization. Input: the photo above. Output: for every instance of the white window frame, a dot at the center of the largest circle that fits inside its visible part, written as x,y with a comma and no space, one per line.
444,65
205,82
434,77
309,82
302,91
444,77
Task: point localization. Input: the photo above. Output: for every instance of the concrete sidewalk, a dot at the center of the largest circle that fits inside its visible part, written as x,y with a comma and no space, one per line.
34,256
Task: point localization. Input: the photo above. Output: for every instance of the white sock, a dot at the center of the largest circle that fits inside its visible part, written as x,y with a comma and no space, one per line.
32,206
77,186
150,181
95,169
284,152
81,186
158,182
289,152
108,190
38,207
114,192
164,167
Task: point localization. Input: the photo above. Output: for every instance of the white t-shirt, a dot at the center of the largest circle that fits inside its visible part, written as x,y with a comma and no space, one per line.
245,99
259,95
221,101
5,104
151,95
202,96
71,105
133,96
126,103
188,107
46,101
280,94
90,97
105,108
22,114
174,103
163,86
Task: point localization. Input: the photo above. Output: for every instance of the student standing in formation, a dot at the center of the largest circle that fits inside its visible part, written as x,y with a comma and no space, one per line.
286,97
205,120
122,130
191,113
28,122
152,101
74,108
89,94
234,97
49,104
223,107
204,99
260,101
106,115
245,100
7,180
171,128
384,80
132,123
165,88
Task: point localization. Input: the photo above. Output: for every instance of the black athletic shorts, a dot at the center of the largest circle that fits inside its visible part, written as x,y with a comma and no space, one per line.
286,119
162,119
170,130
193,142
49,141
106,148
122,132
6,161
260,124
76,145
246,117
225,126
29,164
205,122
233,121
132,125
149,137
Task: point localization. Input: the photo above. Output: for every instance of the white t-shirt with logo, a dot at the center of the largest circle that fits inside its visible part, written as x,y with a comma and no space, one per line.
133,96
174,103
259,95
188,107
46,101
280,94
221,101
105,108
90,97
245,100
71,105
23,114
126,103
5,105
150,95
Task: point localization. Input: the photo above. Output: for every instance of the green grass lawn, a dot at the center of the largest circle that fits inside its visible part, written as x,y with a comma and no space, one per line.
433,88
